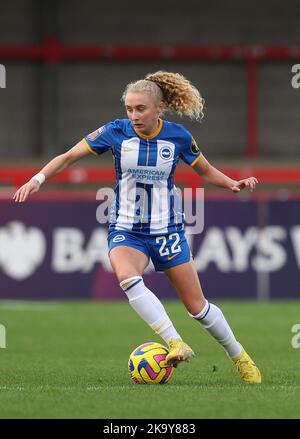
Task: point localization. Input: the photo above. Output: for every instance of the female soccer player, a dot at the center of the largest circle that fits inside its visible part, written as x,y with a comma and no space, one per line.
146,219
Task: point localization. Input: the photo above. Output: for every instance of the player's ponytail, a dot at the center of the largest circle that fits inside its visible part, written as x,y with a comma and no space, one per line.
179,95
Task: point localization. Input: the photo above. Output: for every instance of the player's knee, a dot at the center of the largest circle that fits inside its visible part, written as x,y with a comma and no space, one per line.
198,308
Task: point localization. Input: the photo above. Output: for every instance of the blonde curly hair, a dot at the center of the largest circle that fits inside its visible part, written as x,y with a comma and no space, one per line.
177,92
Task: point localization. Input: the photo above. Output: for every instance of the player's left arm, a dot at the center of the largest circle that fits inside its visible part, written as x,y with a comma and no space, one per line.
212,175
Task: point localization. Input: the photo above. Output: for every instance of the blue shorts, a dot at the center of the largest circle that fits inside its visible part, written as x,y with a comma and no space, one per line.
165,251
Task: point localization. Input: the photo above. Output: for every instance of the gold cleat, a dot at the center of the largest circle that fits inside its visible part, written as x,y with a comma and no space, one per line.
178,351
246,368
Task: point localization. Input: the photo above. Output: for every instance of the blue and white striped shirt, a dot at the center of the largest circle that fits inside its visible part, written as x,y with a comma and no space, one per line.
146,199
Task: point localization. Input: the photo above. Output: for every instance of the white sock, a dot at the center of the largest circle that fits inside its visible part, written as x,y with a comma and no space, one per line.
213,320
149,307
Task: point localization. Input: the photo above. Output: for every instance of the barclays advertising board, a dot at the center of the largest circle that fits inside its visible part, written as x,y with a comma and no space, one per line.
57,250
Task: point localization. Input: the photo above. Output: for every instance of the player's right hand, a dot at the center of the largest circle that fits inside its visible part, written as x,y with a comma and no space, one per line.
27,189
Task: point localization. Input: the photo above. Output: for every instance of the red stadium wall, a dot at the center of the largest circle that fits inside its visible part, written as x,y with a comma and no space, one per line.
16,176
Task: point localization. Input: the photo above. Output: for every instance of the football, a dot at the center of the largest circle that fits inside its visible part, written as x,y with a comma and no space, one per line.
147,364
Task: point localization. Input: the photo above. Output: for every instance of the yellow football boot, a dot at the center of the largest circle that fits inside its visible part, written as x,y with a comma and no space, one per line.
246,368
178,351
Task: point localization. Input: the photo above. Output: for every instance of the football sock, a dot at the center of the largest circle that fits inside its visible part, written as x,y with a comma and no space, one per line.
149,307
213,320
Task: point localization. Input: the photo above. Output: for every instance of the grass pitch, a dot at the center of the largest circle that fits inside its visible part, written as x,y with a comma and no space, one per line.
69,360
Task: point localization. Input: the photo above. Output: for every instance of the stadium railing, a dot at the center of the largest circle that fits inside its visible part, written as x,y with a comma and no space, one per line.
15,176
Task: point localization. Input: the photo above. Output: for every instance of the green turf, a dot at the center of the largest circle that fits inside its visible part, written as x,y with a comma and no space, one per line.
69,360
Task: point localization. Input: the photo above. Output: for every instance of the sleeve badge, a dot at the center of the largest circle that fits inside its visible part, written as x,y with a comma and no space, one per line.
194,147
95,134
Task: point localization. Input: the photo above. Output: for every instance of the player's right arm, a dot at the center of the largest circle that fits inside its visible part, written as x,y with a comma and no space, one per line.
55,166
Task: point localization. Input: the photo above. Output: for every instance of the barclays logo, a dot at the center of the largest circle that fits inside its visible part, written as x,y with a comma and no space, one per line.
22,250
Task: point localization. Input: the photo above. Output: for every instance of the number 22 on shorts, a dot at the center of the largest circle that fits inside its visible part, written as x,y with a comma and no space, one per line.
175,247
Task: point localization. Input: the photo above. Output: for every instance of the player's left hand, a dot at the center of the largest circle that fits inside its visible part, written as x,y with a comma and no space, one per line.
248,183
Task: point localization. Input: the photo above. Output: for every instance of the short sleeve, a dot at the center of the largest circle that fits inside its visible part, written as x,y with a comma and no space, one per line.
190,151
100,140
